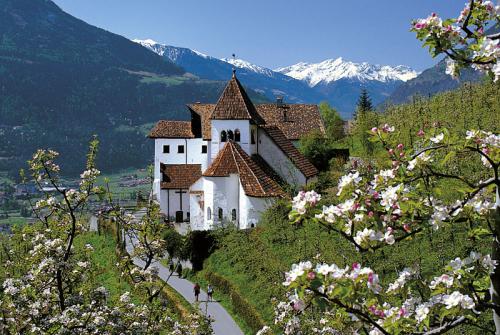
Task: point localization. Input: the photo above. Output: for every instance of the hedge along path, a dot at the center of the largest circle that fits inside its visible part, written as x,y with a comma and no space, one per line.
223,324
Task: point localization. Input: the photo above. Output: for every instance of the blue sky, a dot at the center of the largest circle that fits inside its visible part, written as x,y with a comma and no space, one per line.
274,33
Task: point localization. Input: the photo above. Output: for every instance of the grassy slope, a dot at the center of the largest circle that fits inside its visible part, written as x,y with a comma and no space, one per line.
254,261
105,257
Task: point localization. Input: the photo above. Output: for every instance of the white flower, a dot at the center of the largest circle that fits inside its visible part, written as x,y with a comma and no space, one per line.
125,297
488,263
457,298
347,180
451,68
496,70
390,196
302,199
456,264
438,138
423,157
421,312
389,237
443,279
488,49
440,215
401,280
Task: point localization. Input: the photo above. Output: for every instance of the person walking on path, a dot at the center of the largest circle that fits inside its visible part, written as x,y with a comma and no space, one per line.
196,290
210,292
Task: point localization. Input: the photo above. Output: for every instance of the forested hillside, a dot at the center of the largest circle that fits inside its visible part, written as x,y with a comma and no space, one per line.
62,80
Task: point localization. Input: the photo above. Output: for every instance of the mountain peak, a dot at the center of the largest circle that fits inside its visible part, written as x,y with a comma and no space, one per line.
243,64
147,41
331,70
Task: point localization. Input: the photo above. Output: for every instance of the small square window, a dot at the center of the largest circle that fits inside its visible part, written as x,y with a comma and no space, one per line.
204,149
166,149
180,149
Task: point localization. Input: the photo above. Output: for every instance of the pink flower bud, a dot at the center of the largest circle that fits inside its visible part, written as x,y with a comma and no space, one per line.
375,195
391,151
311,275
401,154
370,214
400,146
406,227
374,129
356,266
395,164
421,133
370,277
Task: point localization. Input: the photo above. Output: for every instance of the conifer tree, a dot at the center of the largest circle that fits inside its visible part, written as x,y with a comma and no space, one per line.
364,119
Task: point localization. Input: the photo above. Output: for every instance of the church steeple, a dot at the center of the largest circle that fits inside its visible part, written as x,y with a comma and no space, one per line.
234,104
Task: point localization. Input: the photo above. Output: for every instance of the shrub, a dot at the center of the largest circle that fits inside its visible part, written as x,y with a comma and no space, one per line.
199,245
240,305
179,269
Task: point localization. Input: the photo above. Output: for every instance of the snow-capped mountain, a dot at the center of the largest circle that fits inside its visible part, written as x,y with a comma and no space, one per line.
337,81
260,79
332,70
243,64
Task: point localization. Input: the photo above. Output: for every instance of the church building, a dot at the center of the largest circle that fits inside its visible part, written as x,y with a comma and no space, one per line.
232,160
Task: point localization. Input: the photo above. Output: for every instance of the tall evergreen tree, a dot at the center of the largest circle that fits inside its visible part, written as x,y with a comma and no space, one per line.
364,103
364,119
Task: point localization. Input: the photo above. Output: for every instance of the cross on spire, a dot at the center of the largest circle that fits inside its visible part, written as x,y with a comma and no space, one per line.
234,61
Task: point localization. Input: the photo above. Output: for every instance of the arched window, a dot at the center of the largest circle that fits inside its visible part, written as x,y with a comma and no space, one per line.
223,136
209,213
252,133
237,135
221,214
230,135
252,225
233,214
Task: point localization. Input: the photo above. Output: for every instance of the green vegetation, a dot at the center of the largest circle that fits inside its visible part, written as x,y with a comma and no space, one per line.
321,149
252,262
105,257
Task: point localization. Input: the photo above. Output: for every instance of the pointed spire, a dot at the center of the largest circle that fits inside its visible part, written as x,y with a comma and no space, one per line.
234,104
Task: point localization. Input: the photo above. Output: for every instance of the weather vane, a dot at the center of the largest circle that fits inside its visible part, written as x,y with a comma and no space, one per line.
234,62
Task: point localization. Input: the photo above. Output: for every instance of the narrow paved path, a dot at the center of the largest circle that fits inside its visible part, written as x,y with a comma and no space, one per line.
223,323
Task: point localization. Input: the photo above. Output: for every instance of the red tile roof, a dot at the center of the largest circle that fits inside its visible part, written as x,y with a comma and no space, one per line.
256,182
179,176
172,129
301,162
300,119
204,111
294,120
234,104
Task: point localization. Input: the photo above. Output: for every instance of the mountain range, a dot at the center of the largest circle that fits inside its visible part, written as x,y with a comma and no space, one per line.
63,80
335,80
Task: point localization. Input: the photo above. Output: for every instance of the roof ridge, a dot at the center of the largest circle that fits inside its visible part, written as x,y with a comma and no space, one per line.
262,188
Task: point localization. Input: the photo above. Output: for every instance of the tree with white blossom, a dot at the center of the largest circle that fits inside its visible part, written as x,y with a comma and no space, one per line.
467,41
49,287
378,208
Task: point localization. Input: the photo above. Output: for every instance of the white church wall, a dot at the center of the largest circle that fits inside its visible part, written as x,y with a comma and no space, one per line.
170,203
208,188
225,196
251,209
197,205
219,125
273,155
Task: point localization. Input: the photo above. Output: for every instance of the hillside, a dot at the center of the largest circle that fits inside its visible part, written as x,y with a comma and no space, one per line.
430,82
63,80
